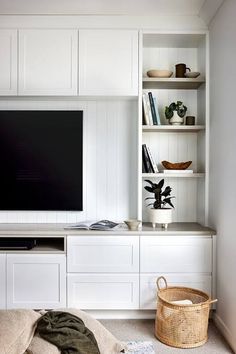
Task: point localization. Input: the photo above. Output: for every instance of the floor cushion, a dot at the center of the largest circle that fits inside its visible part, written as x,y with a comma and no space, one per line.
107,343
16,330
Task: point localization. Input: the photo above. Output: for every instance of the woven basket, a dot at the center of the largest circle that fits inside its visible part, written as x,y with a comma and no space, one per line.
182,325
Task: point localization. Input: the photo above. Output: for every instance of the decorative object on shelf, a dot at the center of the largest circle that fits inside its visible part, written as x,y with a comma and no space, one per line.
180,70
133,224
159,73
190,120
158,214
192,74
175,112
176,166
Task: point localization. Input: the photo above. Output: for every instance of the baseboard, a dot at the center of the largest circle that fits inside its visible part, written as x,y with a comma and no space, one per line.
125,314
225,331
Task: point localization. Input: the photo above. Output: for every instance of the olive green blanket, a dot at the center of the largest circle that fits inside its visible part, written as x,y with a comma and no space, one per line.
67,332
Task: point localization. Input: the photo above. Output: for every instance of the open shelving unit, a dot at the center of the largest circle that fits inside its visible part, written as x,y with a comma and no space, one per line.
177,143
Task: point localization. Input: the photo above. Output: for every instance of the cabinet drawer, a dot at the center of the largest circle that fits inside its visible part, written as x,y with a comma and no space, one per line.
176,254
103,291
103,254
148,287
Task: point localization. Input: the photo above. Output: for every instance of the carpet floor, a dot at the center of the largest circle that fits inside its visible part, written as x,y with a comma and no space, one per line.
143,330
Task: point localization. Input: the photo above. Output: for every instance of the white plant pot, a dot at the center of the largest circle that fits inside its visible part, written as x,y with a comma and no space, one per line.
160,216
176,120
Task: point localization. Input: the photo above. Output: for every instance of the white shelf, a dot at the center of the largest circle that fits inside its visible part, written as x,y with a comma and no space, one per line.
173,83
173,175
172,128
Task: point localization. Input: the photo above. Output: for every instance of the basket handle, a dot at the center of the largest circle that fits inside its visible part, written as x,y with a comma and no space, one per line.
158,282
212,301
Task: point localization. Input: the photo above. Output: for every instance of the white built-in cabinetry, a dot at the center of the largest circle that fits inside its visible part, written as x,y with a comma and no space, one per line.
48,62
36,281
8,62
181,143
108,62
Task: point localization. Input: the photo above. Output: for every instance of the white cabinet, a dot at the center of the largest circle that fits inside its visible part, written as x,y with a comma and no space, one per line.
48,62
108,62
2,281
8,62
107,254
36,281
103,272
103,291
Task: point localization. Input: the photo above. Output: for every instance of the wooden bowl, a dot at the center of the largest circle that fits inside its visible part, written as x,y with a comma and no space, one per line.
159,73
176,166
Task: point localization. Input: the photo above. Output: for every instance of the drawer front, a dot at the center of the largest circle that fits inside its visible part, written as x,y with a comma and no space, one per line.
103,291
176,254
148,287
103,254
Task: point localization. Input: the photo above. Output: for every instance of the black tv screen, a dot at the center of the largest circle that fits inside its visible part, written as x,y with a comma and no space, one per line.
41,160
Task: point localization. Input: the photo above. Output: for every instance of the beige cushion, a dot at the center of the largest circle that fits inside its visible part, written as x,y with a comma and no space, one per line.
16,330
107,343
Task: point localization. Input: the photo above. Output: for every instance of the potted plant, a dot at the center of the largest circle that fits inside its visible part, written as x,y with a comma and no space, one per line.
175,112
159,213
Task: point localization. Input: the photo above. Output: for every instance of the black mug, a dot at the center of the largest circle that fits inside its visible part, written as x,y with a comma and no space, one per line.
180,70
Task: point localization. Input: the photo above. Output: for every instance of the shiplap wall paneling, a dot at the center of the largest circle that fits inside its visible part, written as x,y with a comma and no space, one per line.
109,174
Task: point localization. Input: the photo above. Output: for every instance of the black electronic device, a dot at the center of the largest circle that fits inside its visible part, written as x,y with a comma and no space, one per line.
41,159
15,243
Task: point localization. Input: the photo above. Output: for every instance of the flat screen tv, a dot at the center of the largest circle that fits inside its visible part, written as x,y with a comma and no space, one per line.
41,160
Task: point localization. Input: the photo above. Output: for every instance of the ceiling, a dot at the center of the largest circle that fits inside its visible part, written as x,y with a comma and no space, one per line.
110,7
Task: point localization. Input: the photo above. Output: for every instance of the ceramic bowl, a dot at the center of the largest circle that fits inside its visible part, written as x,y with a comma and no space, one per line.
133,224
159,73
192,74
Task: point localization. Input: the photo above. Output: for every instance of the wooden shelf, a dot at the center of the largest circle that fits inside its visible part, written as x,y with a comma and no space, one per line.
173,83
173,175
172,128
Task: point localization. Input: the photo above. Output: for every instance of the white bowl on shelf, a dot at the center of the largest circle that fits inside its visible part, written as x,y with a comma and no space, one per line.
159,73
192,74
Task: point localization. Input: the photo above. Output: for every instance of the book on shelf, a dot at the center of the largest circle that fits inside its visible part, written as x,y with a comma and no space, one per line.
102,225
153,110
153,164
147,114
157,112
146,160
177,171
149,165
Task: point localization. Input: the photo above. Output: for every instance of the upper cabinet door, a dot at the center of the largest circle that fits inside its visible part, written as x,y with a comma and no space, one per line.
108,62
48,62
8,62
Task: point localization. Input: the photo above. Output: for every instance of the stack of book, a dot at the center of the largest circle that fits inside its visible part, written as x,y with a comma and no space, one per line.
148,163
150,110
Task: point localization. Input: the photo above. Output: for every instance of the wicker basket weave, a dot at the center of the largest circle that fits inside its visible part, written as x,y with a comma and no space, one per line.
182,325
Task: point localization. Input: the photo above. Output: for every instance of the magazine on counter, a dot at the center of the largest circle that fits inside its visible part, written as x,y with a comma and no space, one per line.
102,225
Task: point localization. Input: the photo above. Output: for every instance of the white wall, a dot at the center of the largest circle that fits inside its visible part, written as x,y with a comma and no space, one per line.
223,162
110,169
